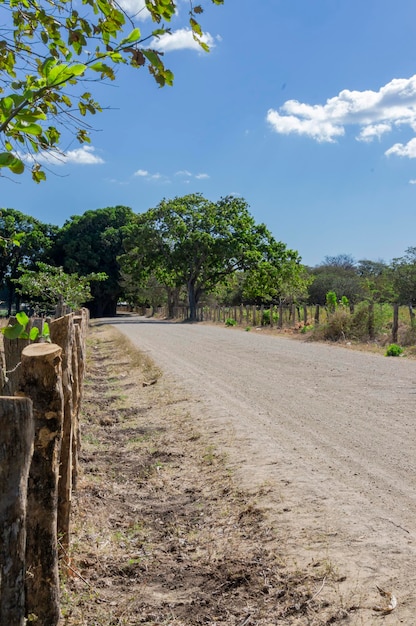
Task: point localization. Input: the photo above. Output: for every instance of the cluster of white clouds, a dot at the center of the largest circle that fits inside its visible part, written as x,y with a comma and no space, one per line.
185,175
180,39
80,156
135,8
375,112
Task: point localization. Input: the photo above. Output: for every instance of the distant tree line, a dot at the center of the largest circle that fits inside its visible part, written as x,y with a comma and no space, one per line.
187,250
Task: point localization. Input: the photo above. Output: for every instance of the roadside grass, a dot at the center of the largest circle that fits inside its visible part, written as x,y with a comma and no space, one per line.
161,532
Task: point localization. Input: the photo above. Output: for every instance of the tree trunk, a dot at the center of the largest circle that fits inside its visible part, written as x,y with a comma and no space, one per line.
41,382
192,300
62,333
12,355
16,449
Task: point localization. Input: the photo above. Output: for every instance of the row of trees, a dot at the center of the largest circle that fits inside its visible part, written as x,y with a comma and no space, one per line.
185,247
375,281
186,250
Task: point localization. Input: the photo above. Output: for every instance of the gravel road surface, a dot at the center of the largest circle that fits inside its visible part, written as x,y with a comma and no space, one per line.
328,433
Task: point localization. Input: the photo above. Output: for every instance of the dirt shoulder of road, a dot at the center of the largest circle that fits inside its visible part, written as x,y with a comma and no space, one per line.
161,532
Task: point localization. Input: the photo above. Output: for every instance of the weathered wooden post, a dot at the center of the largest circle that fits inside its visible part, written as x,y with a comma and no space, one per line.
62,333
41,382
317,315
395,327
16,449
371,329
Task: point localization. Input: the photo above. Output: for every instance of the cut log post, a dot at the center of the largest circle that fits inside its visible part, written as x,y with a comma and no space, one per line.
16,449
41,382
78,370
63,334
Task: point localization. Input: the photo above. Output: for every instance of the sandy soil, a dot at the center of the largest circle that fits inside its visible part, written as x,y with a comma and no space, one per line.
327,434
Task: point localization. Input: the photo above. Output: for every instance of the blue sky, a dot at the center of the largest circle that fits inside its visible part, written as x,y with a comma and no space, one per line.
306,108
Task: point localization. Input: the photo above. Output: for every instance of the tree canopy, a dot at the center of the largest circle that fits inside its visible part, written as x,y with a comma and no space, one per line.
35,241
90,244
197,243
49,286
48,47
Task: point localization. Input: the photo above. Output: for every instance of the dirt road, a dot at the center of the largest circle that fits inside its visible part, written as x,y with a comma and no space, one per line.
327,432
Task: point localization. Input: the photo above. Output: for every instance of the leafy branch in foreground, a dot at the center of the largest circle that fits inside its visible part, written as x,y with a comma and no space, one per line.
48,47
49,285
18,330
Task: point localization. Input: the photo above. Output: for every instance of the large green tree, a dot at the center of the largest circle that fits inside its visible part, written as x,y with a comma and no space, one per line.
48,47
35,242
193,242
336,273
403,276
89,244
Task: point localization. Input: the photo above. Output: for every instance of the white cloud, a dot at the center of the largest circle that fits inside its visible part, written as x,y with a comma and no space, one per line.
157,176
412,182
135,8
185,176
183,173
370,132
404,150
181,39
80,156
83,156
376,112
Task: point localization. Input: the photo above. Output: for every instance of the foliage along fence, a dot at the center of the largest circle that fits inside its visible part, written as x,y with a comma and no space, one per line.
362,321
39,443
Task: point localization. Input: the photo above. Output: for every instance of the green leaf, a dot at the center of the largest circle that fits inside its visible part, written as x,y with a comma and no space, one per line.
134,36
22,318
12,332
12,162
34,332
38,175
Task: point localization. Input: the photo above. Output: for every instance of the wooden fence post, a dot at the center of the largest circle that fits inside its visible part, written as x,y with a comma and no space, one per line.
280,315
317,315
395,327
16,449
41,382
62,333
371,330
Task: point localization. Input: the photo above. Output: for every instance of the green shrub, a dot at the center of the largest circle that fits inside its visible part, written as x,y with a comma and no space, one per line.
338,325
248,329
230,322
394,350
331,301
306,329
265,321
